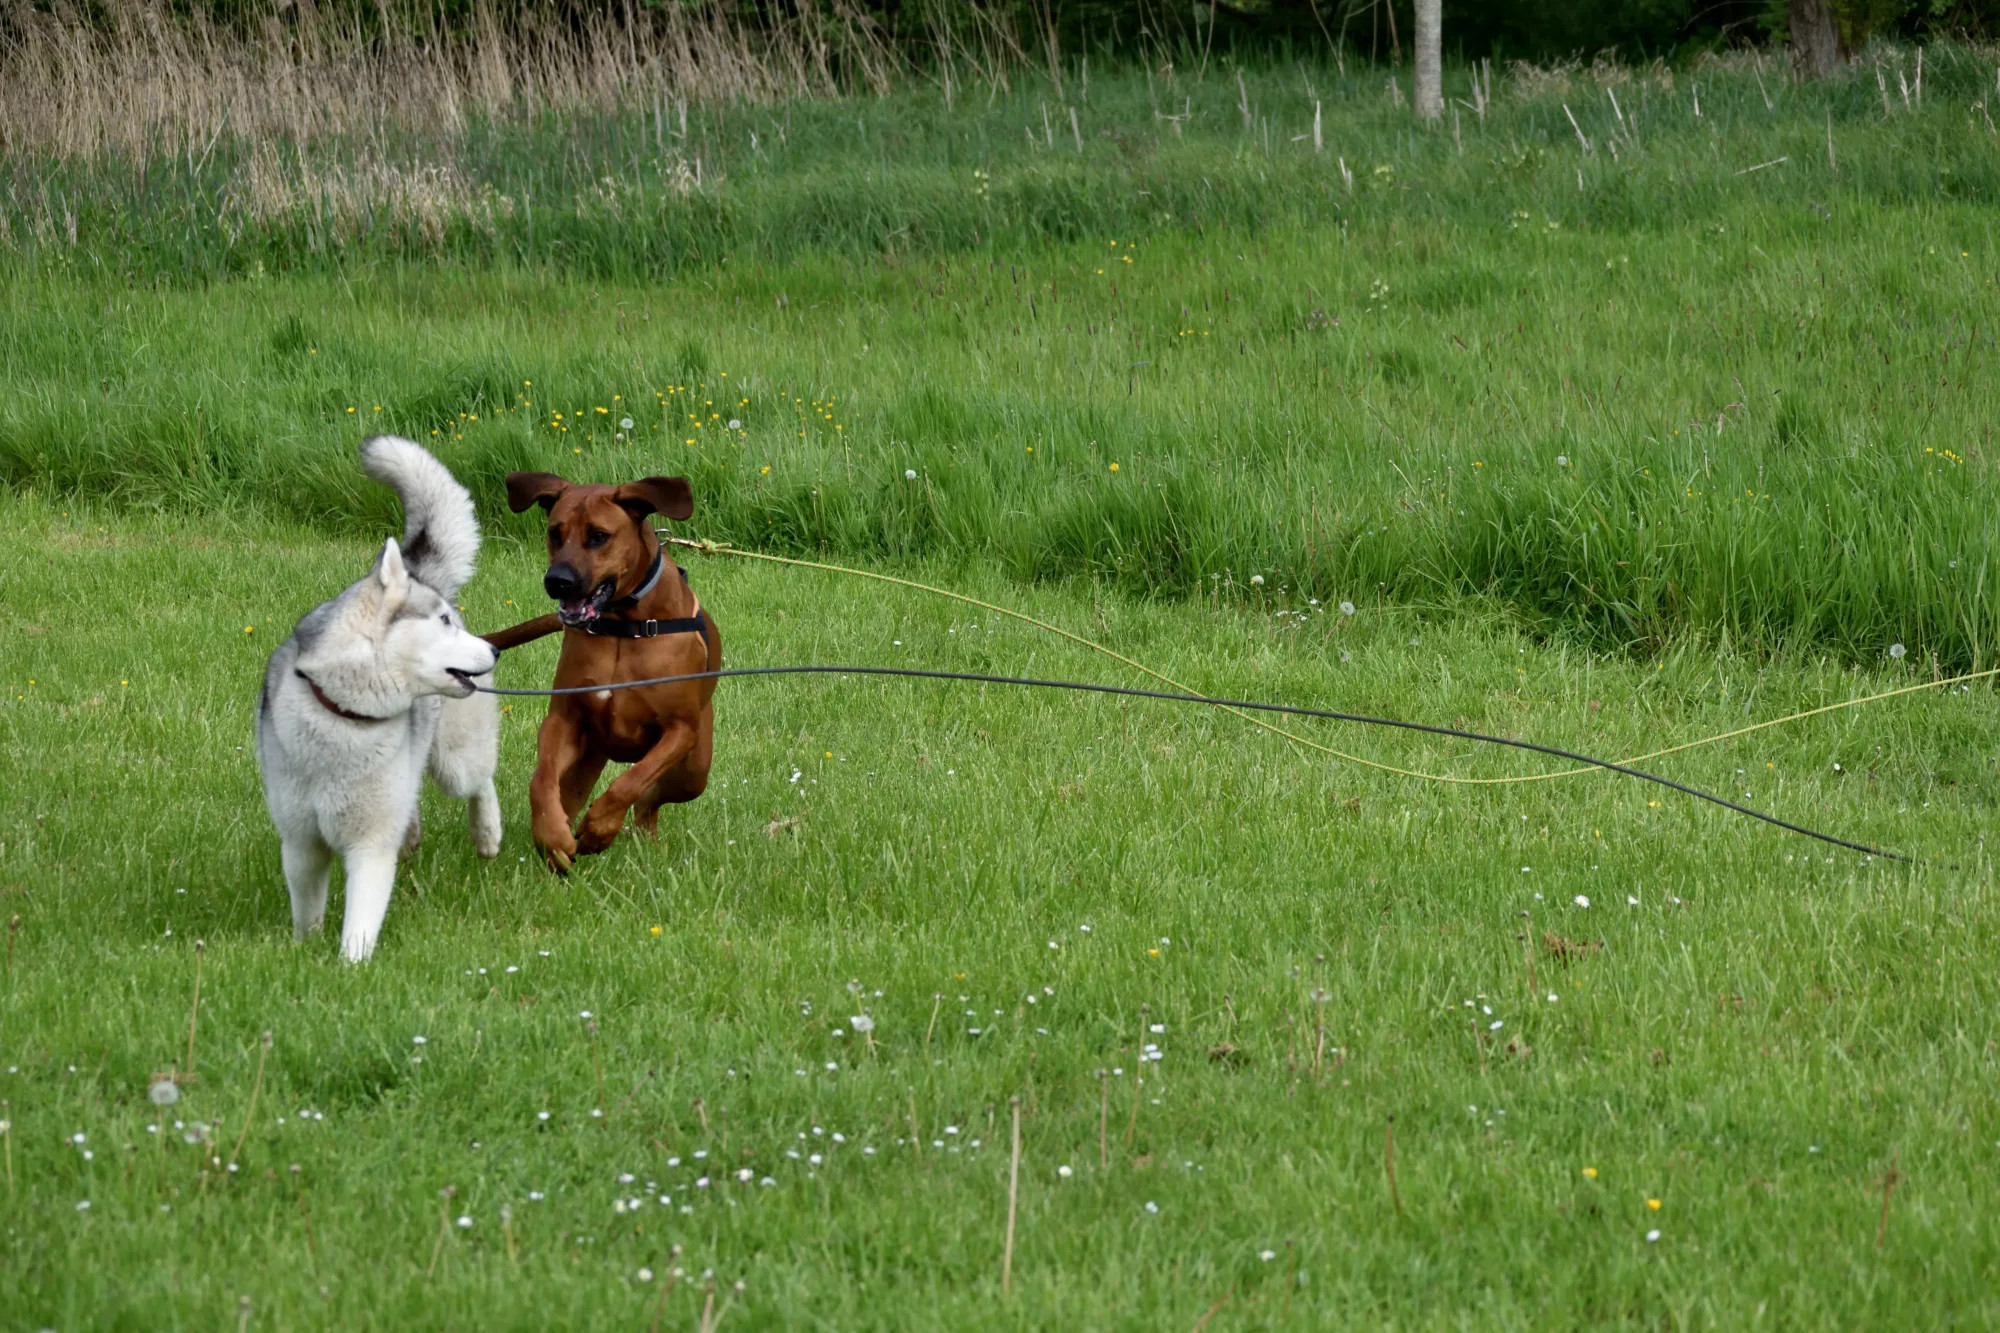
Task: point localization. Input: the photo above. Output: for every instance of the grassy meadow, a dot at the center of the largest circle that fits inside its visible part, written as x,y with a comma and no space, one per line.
1738,1026
1607,447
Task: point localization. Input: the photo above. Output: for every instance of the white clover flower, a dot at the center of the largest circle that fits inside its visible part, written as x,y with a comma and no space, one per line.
909,474
465,1220
1152,1207
1064,1172
1267,1255
645,1275
418,1041
1653,1236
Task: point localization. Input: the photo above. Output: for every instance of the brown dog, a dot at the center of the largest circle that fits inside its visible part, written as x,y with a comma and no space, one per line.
627,614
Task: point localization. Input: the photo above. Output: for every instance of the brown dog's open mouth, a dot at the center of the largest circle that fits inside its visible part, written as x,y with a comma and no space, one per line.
586,609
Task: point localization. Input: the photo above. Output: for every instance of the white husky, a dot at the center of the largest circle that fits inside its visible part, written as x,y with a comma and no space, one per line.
370,686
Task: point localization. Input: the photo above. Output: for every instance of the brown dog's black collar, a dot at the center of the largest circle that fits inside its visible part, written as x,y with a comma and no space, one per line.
648,629
330,705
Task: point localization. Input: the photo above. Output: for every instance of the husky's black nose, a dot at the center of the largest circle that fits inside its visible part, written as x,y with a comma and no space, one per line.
563,583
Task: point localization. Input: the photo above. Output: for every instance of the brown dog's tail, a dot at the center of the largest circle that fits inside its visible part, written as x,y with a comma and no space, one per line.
525,632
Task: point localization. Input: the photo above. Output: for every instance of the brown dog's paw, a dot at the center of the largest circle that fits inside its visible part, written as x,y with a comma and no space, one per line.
600,829
557,847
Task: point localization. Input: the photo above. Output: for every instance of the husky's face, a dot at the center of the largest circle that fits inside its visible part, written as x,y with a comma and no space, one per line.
420,642
600,546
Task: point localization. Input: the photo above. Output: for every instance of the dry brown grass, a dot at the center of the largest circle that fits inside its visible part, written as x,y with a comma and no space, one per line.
144,83
1560,77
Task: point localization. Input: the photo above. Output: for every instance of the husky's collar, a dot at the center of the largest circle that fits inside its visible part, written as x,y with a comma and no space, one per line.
330,705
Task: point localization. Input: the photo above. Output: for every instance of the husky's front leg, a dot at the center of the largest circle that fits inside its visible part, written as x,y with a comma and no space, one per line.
371,875
307,864
463,757
483,816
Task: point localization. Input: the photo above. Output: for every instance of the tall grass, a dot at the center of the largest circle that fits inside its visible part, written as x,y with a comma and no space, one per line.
1707,377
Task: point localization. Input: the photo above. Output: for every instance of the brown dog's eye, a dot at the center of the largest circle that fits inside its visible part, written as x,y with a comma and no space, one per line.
596,539
555,536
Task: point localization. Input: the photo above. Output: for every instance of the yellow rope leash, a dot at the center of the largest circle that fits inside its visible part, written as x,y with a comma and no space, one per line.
722,548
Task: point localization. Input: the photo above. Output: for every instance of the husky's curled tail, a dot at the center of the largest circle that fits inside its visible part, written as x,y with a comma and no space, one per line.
370,689
440,531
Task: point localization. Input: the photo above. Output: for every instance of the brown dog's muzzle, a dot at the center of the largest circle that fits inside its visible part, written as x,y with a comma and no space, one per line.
578,600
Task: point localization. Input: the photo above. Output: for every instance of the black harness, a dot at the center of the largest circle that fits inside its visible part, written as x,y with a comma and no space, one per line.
648,629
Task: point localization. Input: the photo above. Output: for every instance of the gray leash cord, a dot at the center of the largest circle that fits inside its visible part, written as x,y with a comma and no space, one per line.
1131,692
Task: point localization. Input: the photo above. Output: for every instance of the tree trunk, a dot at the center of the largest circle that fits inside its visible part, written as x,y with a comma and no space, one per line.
1816,52
1430,59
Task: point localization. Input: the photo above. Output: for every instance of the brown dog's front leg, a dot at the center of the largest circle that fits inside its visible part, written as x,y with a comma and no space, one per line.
558,749
607,813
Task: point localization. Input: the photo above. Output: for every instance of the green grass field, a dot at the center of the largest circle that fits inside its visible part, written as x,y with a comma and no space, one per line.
1764,1031
1605,451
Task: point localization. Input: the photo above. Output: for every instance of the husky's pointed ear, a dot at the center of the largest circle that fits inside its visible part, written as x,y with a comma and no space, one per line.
528,488
390,571
656,495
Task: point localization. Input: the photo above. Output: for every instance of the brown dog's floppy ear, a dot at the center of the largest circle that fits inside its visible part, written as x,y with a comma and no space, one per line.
656,495
526,488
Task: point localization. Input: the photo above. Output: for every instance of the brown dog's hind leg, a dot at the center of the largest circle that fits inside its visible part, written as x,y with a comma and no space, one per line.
683,782
606,815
